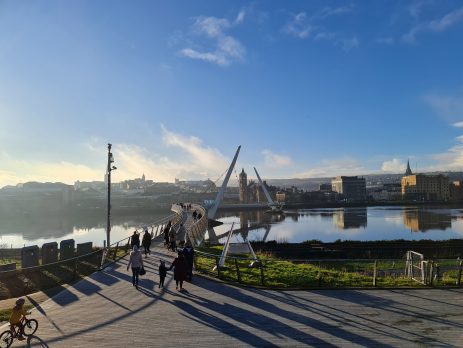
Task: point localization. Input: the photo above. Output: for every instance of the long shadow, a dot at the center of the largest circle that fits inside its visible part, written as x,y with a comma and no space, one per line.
408,293
394,309
111,300
65,297
240,296
371,325
42,311
86,287
35,341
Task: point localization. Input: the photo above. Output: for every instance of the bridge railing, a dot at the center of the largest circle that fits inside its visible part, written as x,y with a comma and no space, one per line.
23,281
324,273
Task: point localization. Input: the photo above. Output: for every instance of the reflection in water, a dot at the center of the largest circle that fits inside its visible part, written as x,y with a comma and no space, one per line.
422,220
350,218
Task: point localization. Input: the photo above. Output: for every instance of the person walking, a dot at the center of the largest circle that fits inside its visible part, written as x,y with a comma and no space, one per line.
162,273
136,261
135,240
189,253
166,233
146,242
173,239
180,270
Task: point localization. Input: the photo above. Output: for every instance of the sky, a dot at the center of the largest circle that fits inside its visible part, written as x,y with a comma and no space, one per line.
307,88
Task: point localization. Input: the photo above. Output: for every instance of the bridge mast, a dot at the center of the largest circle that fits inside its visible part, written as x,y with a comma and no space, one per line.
269,199
211,212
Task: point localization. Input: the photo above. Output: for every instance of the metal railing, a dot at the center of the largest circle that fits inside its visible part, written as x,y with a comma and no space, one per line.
324,273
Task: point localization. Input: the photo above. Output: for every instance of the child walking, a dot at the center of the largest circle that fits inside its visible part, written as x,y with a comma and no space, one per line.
162,273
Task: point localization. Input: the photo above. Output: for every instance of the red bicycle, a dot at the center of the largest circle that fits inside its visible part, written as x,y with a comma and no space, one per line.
7,337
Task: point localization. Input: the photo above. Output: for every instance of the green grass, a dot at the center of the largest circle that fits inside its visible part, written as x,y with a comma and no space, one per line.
5,314
280,273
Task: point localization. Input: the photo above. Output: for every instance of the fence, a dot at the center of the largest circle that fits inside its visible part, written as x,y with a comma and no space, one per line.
26,280
323,273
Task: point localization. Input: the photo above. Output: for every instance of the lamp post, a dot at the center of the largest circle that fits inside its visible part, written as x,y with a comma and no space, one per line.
108,173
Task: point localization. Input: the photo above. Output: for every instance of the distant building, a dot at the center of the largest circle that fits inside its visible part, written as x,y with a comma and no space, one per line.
243,182
325,188
351,188
281,196
456,191
426,187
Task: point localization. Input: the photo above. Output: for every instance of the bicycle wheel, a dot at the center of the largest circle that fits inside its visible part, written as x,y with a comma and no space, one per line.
6,338
30,327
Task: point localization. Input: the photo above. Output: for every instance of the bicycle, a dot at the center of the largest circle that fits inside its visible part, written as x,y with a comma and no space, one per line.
7,337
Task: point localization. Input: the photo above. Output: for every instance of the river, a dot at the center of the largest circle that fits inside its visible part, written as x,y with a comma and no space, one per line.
326,225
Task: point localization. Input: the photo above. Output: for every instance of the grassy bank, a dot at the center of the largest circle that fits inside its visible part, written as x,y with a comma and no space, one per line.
278,273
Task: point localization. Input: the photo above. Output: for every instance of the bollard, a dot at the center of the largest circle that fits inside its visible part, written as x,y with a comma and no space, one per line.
374,273
238,274
459,273
218,268
262,280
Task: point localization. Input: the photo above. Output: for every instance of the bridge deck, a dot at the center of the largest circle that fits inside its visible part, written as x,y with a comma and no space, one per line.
104,310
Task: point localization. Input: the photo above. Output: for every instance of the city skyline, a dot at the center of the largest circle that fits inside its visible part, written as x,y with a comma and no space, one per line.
315,89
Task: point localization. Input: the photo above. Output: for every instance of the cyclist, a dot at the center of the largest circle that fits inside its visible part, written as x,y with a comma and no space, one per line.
15,319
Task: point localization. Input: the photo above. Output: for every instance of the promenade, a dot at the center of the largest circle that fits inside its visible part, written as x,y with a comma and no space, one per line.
104,310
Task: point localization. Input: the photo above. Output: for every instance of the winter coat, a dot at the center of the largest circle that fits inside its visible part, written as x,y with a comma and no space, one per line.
180,268
146,239
162,271
135,240
135,260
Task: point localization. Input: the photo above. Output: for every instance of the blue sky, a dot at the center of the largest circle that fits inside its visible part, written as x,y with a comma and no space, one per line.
319,88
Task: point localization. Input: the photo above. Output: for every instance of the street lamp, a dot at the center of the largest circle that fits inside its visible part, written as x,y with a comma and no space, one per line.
108,173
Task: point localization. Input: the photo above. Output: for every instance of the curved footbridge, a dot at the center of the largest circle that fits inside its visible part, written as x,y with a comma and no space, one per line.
104,310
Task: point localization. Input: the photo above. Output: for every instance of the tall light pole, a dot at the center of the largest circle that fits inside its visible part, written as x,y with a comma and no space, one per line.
108,173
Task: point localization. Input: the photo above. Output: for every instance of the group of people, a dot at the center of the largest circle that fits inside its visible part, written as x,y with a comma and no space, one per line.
196,215
182,264
145,242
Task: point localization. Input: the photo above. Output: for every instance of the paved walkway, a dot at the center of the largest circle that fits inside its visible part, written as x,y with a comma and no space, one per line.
104,310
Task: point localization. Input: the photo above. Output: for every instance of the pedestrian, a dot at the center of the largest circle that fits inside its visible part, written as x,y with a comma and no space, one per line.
172,239
136,261
189,253
162,273
135,240
166,233
180,269
146,242
18,313
194,215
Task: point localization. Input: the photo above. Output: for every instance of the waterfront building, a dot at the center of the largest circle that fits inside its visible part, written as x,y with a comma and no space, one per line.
351,188
325,188
243,182
425,187
456,191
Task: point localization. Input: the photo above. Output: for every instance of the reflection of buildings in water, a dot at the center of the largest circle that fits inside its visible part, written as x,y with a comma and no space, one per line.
350,218
421,220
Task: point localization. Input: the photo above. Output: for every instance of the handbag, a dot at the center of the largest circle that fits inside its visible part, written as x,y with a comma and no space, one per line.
142,271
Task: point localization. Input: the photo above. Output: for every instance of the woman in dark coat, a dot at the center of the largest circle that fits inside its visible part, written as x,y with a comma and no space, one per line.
146,242
135,240
180,270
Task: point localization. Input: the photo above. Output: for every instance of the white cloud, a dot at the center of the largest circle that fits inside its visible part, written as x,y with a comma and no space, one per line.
191,160
298,26
458,124
324,36
438,25
227,49
393,166
273,160
334,167
450,106
348,44
329,11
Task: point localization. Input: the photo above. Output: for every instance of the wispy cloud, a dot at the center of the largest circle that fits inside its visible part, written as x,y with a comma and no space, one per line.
298,26
302,26
450,106
395,165
438,25
334,167
227,49
273,160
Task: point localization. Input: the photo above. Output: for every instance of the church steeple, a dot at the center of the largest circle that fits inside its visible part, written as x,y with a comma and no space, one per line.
408,171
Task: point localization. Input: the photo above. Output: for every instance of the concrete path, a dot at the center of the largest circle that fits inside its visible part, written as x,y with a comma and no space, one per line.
104,310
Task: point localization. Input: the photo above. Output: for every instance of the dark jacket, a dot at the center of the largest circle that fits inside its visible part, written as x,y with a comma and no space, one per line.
135,240
146,239
162,270
180,268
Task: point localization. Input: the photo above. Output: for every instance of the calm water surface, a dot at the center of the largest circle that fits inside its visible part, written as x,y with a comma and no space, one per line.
327,225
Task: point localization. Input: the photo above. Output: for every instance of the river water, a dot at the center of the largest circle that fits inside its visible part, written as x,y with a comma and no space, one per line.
327,225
